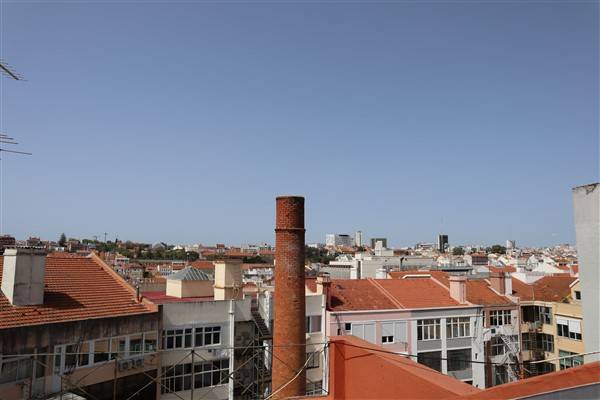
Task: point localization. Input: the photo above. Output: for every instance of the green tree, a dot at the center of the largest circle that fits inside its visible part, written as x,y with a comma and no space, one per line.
458,251
497,249
62,241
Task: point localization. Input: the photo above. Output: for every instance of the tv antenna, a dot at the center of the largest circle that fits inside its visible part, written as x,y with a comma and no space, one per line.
5,139
10,72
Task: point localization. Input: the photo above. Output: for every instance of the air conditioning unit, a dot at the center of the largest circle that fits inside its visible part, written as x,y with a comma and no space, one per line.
124,365
138,362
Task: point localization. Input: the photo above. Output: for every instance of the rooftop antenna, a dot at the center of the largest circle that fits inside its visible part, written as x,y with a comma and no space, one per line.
5,139
10,72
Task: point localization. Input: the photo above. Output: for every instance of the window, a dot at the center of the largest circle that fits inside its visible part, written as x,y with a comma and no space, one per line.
458,327
177,338
500,374
208,336
577,295
313,359
571,361
545,315
432,359
428,329
136,344
313,324
528,340
83,358
15,369
314,388
545,367
117,347
387,332
568,328
70,356
364,331
101,350
547,342
348,327
500,317
497,346
150,341
181,376
458,360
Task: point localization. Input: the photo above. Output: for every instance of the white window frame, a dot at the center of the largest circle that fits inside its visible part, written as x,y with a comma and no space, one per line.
458,327
429,329
500,317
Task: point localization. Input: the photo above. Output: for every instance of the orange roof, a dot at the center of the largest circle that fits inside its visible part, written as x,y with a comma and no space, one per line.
478,290
506,268
200,264
361,370
76,288
568,378
382,294
549,288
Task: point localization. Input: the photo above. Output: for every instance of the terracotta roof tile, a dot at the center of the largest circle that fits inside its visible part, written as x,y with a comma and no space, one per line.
76,288
202,264
478,290
506,268
549,288
380,294
572,377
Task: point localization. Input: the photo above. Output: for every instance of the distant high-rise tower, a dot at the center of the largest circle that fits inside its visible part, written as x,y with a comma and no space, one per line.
382,240
358,238
511,244
442,243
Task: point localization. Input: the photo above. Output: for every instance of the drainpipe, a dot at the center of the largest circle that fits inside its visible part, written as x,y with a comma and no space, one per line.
230,386
324,326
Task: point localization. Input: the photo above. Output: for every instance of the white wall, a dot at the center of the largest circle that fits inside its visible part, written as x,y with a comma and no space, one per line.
586,201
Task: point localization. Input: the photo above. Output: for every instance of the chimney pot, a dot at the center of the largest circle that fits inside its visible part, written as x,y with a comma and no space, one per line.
498,282
228,280
458,288
23,272
324,287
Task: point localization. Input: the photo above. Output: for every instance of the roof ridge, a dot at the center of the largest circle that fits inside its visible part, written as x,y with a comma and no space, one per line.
386,293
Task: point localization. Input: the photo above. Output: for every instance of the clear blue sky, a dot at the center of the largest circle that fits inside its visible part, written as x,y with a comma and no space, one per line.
181,122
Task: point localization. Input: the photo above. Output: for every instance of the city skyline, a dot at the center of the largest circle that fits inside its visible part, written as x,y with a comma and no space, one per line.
181,123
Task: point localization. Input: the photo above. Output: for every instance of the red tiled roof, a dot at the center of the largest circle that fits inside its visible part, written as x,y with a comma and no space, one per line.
478,290
549,288
361,370
202,264
568,378
76,288
506,268
381,294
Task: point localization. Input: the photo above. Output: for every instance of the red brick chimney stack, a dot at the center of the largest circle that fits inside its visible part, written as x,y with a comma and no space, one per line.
289,334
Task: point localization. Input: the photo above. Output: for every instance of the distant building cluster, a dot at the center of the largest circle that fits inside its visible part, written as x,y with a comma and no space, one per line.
495,322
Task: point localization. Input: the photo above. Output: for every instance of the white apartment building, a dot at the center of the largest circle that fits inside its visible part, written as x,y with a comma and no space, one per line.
338,240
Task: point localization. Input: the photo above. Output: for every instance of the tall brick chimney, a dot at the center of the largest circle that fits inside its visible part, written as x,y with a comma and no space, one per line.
289,334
